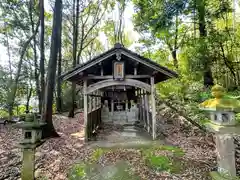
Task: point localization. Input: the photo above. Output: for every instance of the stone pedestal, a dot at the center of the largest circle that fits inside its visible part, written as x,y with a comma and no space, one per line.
225,149
28,164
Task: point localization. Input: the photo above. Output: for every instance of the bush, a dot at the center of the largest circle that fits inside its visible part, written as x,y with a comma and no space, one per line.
3,114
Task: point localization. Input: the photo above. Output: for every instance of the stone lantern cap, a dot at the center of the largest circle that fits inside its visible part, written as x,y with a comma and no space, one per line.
220,102
30,123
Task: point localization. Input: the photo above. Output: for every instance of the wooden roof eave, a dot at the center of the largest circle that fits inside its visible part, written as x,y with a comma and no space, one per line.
88,64
160,69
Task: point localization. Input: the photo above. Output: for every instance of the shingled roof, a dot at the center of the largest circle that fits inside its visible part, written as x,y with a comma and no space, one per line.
119,48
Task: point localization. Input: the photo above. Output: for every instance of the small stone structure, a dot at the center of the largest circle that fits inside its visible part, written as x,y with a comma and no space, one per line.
31,138
114,79
222,122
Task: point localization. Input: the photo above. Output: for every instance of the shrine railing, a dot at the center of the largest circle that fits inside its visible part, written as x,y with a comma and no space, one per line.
94,120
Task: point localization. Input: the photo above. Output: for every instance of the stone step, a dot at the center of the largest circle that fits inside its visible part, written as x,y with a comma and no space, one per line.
130,130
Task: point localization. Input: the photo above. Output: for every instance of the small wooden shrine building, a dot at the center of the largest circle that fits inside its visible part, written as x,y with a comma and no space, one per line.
118,87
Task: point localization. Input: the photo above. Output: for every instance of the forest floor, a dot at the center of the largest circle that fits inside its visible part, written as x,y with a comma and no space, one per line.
56,156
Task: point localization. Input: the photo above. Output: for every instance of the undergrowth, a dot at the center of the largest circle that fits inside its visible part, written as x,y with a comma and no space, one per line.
169,163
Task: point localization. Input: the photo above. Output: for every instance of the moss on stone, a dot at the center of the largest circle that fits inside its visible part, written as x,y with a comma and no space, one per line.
219,102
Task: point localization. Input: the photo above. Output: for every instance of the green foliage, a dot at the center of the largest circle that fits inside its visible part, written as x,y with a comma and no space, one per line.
118,171
238,118
77,171
97,154
177,151
21,109
3,113
54,108
163,163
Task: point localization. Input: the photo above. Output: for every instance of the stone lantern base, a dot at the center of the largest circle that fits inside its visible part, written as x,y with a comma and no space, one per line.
225,149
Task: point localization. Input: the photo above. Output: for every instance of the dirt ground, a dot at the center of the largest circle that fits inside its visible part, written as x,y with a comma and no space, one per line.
56,156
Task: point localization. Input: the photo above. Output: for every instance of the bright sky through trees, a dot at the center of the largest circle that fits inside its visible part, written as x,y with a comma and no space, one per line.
128,27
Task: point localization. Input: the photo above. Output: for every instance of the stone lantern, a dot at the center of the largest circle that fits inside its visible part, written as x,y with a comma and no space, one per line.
31,138
222,122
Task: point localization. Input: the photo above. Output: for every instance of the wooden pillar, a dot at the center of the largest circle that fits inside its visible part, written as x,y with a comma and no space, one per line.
137,105
85,97
112,108
96,100
89,104
101,68
126,106
153,108
144,109
89,126
147,111
135,71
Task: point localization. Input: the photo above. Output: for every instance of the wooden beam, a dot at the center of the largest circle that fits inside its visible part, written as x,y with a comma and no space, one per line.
111,82
94,95
85,109
111,77
82,68
138,59
153,108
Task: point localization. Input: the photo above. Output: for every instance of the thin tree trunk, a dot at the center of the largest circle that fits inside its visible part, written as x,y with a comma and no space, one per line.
42,56
174,52
207,75
75,42
36,73
12,93
9,58
10,109
30,90
174,56
29,95
48,130
59,89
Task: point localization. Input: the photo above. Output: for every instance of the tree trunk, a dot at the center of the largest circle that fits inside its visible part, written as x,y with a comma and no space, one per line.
36,73
29,97
75,43
48,130
29,90
59,89
207,74
13,89
42,57
174,56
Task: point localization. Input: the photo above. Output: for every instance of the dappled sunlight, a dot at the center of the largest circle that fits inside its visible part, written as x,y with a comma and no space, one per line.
79,135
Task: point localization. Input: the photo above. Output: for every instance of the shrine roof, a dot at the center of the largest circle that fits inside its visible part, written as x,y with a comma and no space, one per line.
152,67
